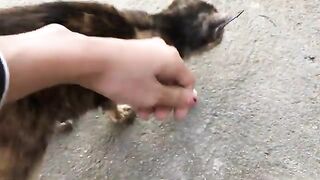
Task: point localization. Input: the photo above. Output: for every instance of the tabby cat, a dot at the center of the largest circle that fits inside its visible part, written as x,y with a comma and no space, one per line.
27,124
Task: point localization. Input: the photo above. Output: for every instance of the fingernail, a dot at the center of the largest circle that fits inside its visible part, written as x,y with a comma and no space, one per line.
195,93
195,96
192,101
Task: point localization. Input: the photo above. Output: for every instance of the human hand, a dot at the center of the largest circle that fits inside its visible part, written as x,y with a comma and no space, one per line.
146,74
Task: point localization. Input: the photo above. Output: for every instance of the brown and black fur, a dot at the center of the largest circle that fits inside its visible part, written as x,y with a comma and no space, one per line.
26,125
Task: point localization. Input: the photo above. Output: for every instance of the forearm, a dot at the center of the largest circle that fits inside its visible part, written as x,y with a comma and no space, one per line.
37,62
29,70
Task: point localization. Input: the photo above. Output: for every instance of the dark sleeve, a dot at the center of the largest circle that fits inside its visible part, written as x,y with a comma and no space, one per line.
4,80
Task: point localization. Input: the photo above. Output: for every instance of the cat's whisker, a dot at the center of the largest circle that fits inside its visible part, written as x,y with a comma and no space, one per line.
223,25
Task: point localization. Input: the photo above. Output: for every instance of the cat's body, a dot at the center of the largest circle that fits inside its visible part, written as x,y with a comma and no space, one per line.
26,125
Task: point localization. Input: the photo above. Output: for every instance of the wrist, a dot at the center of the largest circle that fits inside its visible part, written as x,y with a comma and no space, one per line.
100,57
33,66
4,80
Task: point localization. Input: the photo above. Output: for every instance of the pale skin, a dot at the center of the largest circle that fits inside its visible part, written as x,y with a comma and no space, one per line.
126,71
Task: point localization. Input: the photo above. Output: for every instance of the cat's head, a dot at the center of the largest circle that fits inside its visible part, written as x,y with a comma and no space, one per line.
192,25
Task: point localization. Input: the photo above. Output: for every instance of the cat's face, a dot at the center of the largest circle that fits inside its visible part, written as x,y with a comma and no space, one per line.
195,25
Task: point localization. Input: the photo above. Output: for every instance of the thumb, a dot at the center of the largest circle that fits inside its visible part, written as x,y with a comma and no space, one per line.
175,96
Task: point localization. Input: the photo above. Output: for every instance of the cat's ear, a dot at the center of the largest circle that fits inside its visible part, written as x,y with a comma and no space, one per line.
179,3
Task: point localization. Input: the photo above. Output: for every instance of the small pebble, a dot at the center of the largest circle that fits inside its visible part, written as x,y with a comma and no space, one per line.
310,58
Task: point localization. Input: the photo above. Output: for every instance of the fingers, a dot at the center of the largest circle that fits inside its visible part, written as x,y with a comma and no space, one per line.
175,96
173,85
144,113
181,113
183,76
176,71
171,98
161,113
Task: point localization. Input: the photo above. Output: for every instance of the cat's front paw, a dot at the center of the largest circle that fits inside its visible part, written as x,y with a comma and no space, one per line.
123,114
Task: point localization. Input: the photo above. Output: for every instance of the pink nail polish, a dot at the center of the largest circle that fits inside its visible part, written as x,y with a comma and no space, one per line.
195,99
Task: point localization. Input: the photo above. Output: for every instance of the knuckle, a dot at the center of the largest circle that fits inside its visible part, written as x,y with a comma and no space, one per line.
57,27
192,80
151,102
173,52
158,97
159,39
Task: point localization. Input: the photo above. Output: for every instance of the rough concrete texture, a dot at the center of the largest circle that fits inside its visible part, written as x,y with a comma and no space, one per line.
258,115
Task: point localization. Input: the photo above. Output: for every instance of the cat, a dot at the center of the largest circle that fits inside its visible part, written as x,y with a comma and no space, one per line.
27,124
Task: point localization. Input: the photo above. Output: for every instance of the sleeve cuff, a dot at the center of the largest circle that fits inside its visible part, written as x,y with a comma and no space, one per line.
4,80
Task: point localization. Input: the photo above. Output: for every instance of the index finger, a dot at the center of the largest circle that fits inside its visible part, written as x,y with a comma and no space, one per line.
176,72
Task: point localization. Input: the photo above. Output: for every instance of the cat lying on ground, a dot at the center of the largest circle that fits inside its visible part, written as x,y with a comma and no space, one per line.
27,125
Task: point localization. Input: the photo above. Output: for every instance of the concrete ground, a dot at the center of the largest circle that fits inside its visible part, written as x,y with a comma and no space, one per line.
258,116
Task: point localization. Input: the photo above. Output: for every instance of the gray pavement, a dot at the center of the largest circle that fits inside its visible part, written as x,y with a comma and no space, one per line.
258,115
